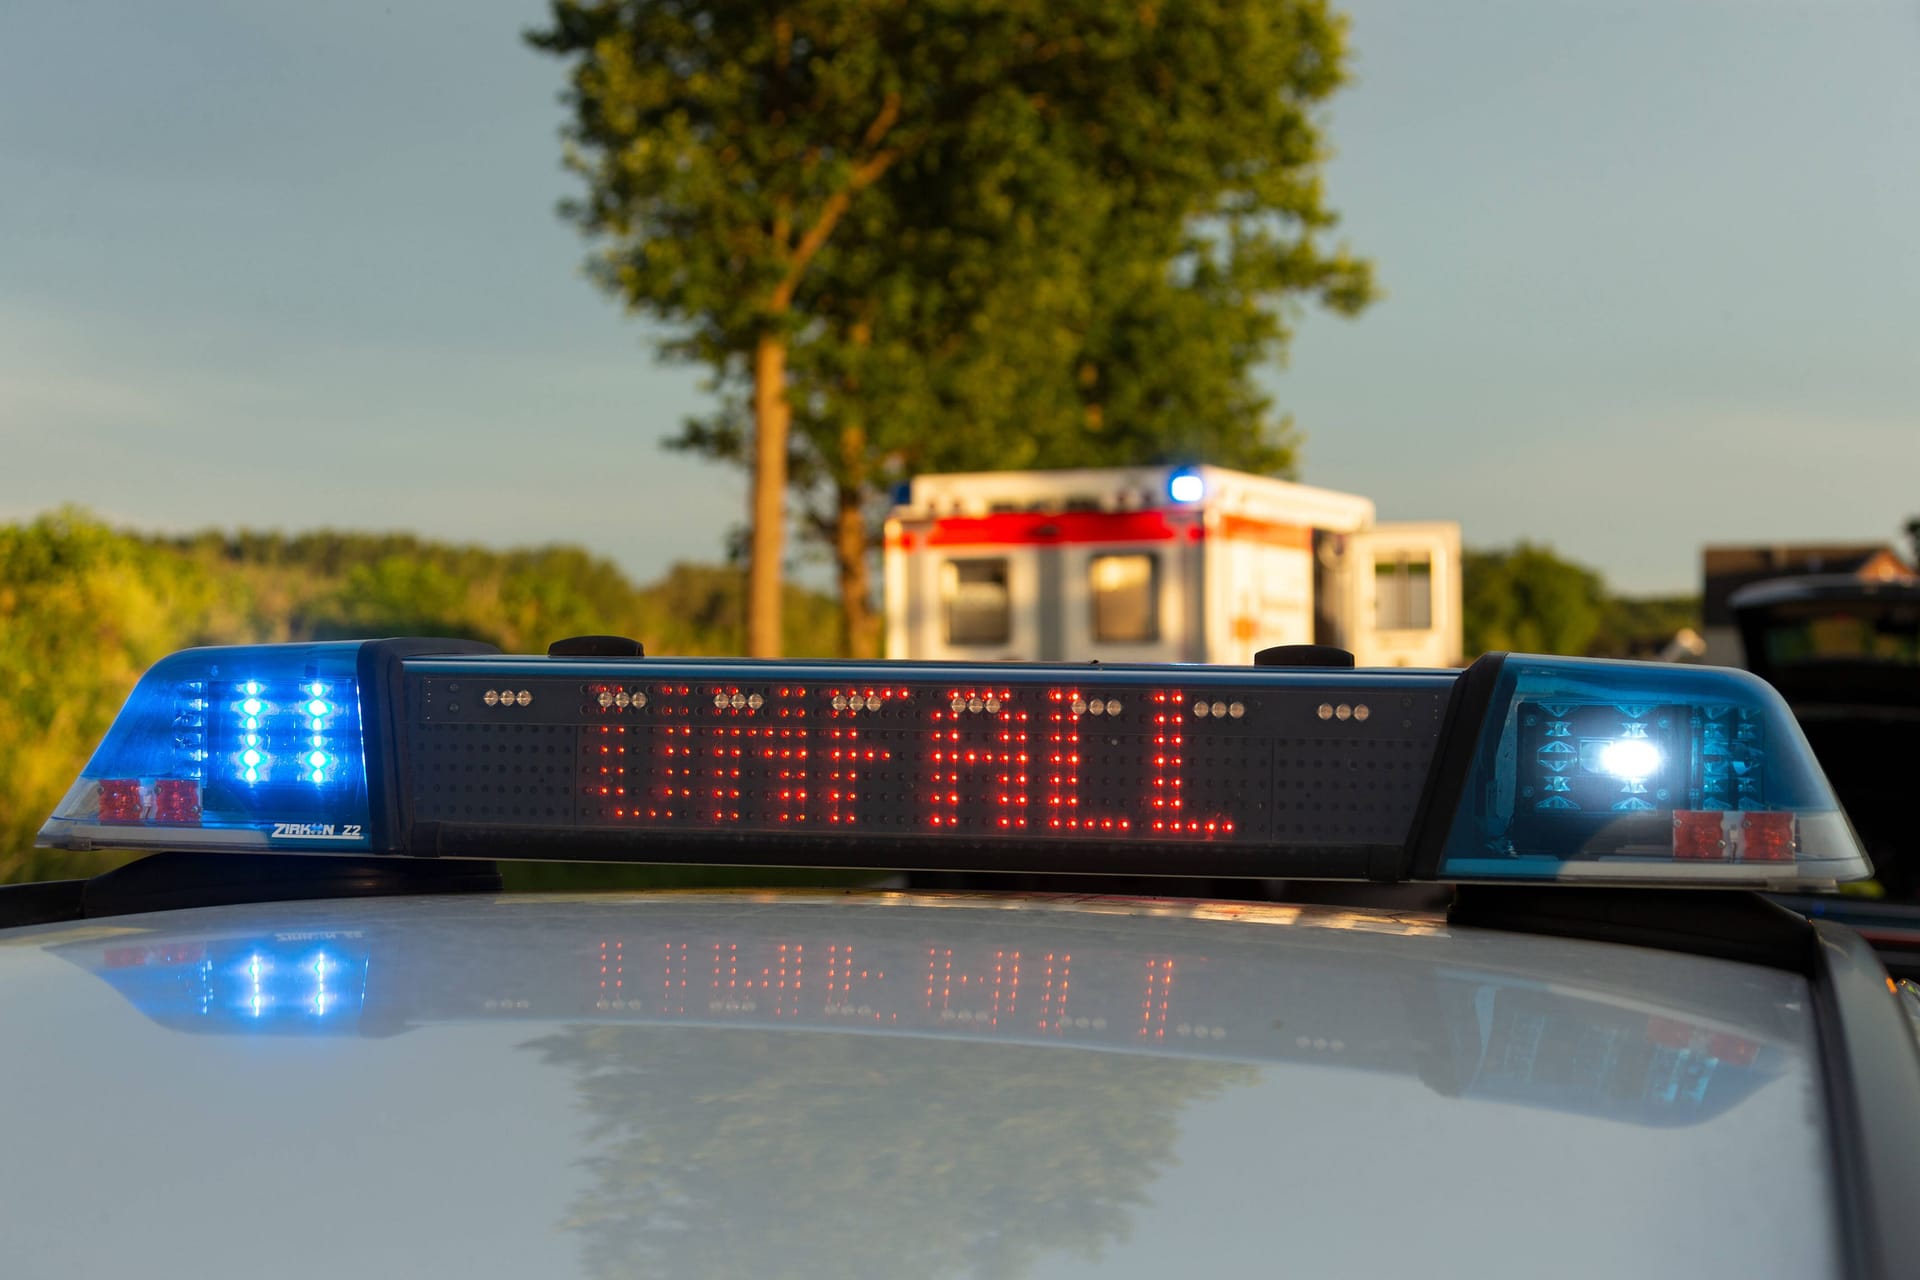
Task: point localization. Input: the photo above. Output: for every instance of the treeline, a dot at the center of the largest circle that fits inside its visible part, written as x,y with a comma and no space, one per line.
84,609
1527,599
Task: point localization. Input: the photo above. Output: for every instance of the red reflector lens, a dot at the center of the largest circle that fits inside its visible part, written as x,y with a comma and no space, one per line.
177,800
1733,1050
1766,837
1669,1033
1697,834
119,800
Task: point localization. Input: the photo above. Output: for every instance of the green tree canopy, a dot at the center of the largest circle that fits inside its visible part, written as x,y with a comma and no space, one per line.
86,611
965,233
1530,600
704,1138
1641,627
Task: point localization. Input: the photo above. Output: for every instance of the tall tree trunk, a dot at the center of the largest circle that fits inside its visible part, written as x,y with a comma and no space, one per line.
850,541
772,416
850,553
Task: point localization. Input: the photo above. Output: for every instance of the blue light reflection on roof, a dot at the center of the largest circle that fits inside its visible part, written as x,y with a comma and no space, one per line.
297,983
1515,1040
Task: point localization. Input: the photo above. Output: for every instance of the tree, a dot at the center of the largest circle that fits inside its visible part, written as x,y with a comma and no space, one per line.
408,596
724,143
701,609
1643,626
873,219
704,1140
86,611
1531,601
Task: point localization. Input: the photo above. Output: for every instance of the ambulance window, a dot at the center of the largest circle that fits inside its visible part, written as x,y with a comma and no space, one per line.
1126,598
1403,593
978,609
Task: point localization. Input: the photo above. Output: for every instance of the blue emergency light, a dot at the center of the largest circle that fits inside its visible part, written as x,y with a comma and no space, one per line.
216,746
1520,768
1603,770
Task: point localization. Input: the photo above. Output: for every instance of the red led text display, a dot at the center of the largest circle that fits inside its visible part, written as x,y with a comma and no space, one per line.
962,759
832,757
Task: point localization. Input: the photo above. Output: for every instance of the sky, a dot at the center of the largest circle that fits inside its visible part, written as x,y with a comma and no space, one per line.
1652,277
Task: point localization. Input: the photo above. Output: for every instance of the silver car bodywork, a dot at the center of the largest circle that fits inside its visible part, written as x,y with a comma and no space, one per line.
892,1085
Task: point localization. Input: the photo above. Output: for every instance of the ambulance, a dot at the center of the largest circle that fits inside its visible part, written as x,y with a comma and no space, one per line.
1161,564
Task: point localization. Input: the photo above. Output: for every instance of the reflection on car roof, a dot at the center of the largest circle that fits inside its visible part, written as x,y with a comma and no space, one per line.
964,1059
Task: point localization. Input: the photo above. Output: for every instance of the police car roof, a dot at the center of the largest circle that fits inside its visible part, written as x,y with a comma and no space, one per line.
1551,1078
887,1084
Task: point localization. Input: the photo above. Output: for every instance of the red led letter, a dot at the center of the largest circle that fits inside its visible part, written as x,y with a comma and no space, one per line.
849,755
1153,1008
1065,707
978,731
670,791
1166,798
979,996
779,751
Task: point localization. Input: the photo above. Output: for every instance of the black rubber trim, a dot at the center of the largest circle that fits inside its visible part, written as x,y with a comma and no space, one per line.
597,647
1721,923
176,881
382,705
1304,655
173,881
47,902
1452,766
1871,1067
1891,928
896,851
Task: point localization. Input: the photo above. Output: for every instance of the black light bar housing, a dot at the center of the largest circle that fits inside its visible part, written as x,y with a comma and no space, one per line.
1515,769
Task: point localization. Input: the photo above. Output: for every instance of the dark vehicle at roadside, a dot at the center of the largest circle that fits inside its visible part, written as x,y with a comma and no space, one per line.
1845,653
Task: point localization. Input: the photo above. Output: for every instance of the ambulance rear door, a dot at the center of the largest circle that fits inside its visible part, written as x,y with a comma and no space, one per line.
1406,595
1124,586
968,590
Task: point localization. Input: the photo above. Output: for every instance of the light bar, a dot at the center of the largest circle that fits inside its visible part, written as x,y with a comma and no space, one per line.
1545,769
1605,771
229,748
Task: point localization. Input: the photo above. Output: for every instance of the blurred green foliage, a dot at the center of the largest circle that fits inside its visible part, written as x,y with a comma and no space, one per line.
1639,627
1527,599
84,609
729,1151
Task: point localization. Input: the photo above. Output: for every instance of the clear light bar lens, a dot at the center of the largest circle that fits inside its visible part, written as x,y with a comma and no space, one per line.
1625,771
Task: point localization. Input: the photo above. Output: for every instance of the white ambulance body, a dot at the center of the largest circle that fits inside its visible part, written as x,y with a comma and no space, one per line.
1161,564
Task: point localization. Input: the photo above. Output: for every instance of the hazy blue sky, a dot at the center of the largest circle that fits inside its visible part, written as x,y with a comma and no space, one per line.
1653,277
